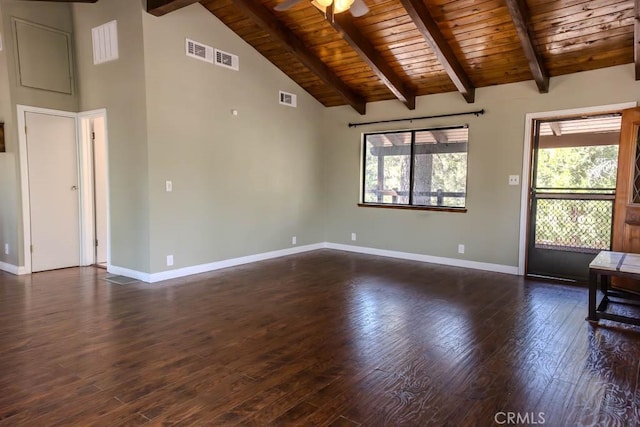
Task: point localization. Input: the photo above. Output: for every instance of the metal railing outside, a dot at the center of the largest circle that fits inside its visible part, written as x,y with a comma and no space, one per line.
580,221
439,195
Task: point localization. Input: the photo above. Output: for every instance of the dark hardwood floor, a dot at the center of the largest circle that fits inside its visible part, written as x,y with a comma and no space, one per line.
322,338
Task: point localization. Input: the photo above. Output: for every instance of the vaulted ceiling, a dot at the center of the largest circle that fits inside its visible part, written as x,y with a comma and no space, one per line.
404,48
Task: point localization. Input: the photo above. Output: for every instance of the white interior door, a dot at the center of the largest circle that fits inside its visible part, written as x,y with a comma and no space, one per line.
100,184
53,191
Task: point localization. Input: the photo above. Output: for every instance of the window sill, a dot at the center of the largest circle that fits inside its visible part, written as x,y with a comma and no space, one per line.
415,208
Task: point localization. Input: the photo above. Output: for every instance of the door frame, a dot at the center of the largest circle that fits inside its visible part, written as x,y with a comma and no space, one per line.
87,192
526,163
84,154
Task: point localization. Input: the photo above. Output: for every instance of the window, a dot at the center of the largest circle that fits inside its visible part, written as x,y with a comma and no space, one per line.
420,168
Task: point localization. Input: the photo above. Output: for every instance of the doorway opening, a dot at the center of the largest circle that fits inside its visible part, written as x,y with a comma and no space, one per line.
527,163
572,193
95,176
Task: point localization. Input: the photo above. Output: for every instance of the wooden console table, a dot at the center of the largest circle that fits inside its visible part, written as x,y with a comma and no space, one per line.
605,266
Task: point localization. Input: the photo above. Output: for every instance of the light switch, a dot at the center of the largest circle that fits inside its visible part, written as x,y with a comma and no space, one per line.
169,186
514,179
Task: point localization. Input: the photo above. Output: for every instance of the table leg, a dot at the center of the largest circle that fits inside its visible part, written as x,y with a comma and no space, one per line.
593,289
605,281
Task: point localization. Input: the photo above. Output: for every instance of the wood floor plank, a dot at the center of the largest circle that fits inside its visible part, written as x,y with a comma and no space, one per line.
533,365
322,338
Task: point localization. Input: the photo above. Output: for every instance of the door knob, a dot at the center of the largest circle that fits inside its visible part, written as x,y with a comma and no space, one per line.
74,188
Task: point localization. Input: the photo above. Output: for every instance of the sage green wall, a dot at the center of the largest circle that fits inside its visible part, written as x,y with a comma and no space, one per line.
242,184
9,206
119,86
49,14
54,15
490,228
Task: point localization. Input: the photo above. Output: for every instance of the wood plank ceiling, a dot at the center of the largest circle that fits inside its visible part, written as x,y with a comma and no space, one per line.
404,48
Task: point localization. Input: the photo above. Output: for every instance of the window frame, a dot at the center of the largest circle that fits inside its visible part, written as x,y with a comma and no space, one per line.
409,206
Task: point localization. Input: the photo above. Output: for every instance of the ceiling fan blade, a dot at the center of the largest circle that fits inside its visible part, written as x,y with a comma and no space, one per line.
286,4
359,8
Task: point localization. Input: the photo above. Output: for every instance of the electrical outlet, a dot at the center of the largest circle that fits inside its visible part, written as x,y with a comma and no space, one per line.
514,179
169,260
294,240
353,237
460,248
6,249
168,186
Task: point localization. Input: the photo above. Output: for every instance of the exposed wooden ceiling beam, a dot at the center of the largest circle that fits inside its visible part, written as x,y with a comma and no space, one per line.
344,25
556,128
397,138
636,37
429,29
375,140
579,140
277,30
162,7
520,16
439,136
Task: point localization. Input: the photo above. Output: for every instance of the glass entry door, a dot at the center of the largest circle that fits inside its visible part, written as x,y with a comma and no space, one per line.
573,184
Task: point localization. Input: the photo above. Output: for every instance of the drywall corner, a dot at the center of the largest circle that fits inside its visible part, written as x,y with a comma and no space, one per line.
119,87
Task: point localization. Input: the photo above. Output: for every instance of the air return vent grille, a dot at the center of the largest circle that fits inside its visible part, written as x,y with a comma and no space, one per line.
105,42
227,60
199,51
288,99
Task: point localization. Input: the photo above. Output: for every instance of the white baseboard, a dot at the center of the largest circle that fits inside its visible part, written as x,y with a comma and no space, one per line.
218,265
121,271
10,268
13,269
204,268
454,262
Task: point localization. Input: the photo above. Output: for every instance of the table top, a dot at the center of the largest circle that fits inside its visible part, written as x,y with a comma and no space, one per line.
617,261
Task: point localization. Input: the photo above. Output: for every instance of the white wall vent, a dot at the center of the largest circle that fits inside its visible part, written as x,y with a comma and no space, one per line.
199,51
227,60
105,42
289,99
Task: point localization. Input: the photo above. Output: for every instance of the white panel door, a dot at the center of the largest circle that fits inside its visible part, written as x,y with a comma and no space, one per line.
53,188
